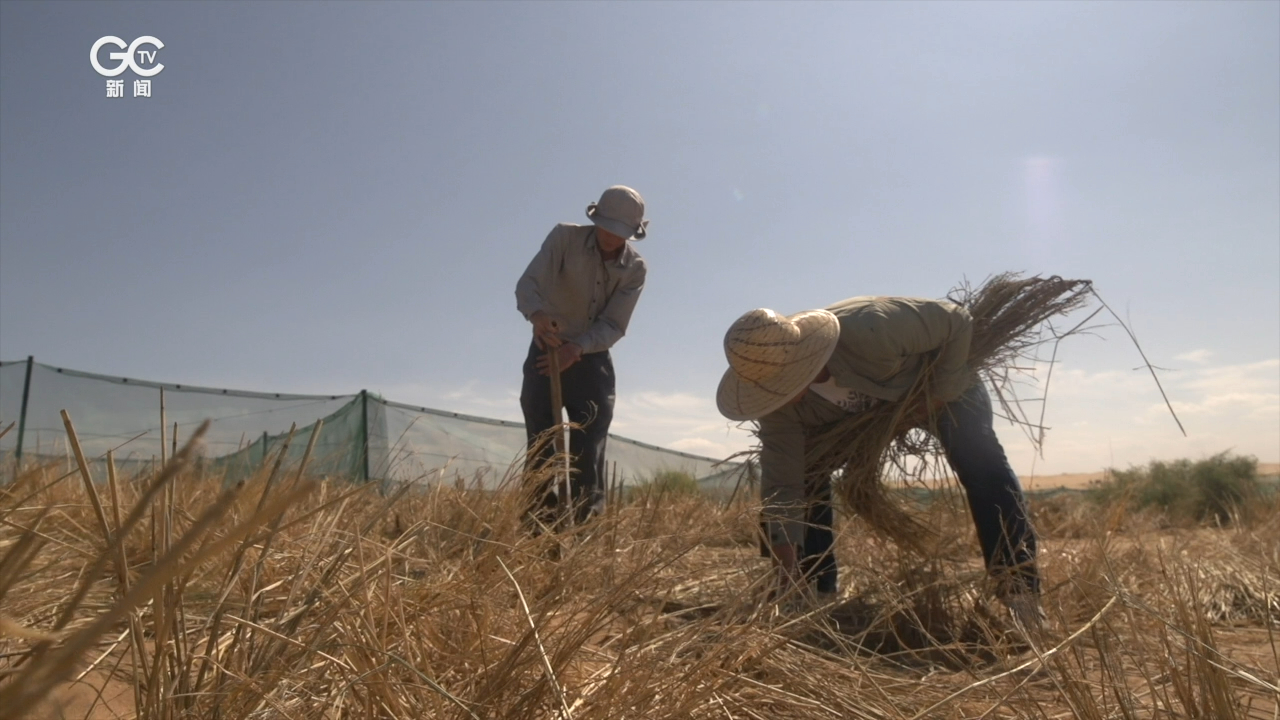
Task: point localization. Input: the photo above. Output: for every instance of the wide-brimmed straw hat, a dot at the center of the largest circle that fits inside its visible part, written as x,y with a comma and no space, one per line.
772,358
620,210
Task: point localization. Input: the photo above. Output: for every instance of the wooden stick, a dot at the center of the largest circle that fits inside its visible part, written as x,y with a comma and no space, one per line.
110,532
557,416
275,469
557,396
311,444
163,459
135,626
114,485
615,490
74,443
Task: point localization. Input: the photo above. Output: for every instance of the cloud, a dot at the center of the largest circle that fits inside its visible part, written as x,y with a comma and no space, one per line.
1110,418
703,446
681,421
1199,357
473,398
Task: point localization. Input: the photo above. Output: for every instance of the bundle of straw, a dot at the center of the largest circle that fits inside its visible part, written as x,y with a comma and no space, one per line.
1012,319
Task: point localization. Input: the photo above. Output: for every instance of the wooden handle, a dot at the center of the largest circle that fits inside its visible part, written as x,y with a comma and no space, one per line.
557,396
557,417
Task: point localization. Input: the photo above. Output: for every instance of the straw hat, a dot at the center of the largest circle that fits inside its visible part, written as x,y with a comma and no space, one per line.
772,358
621,212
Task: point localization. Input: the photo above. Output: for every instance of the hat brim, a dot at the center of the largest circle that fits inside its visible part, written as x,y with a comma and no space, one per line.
616,227
740,399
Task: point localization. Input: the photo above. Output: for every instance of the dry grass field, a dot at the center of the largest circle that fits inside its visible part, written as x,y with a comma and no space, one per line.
293,597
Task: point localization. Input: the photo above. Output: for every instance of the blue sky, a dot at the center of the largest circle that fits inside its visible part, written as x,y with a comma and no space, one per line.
324,197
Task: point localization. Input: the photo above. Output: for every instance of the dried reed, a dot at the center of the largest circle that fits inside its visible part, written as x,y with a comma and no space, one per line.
327,600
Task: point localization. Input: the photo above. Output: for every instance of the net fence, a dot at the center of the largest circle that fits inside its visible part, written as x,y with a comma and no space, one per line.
362,435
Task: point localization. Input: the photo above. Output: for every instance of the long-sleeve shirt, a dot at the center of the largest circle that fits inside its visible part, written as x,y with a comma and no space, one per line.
591,298
884,344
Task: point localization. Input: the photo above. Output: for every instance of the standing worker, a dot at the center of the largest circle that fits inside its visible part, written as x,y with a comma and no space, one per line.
797,374
579,292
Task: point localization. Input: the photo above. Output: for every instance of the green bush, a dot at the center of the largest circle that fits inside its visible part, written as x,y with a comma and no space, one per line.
1217,489
667,482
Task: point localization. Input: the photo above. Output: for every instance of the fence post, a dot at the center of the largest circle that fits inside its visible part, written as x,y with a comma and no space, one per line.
22,418
364,431
164,459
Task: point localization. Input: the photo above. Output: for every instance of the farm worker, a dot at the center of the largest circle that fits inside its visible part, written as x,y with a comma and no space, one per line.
796,374
578,293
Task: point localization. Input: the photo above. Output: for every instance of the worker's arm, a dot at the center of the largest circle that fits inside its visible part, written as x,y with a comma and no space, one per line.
534,286
611,324
782,489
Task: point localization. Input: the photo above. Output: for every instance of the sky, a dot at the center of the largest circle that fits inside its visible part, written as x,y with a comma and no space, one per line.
328,197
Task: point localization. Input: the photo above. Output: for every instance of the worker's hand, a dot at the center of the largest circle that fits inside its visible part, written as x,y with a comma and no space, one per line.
545,328
923,411
569,354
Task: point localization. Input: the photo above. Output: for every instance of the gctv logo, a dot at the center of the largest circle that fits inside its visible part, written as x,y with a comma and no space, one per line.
126,58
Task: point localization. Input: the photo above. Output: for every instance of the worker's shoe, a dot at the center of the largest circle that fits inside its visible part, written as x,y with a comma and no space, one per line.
1026,611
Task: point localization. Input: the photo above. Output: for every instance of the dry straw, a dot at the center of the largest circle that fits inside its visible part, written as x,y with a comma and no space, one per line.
289,597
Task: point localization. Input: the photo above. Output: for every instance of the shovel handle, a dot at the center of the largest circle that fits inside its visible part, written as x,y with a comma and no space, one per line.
557,395
557,417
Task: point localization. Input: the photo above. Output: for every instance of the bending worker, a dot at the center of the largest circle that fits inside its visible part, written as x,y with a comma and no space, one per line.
799,373
578,292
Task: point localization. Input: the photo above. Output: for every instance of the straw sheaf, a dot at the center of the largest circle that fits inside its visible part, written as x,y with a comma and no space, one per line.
772,358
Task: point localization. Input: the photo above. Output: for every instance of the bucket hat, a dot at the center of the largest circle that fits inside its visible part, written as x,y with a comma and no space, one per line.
772,358
620,210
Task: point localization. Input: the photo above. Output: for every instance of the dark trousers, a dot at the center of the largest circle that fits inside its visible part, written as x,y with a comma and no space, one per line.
587,389
817,555
995,500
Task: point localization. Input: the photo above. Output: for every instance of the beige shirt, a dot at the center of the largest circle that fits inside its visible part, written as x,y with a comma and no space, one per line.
591,298
885,342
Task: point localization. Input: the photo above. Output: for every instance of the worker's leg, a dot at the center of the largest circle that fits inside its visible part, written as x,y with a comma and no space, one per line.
535,402
589,391
995,496
818,560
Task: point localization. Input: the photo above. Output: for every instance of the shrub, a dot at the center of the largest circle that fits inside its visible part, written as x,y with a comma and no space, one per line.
1217,489
665,483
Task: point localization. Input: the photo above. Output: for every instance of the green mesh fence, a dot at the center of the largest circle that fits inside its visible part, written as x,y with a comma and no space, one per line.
363,436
